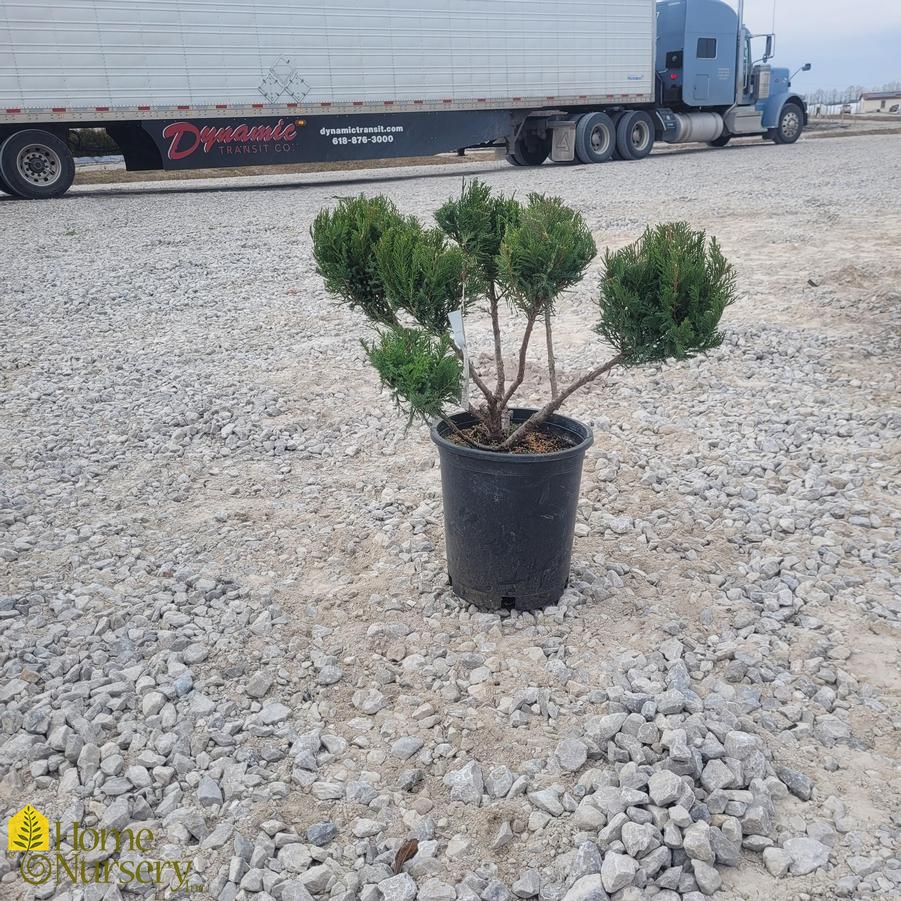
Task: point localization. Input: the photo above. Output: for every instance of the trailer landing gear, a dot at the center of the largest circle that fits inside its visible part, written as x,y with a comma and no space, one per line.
36,164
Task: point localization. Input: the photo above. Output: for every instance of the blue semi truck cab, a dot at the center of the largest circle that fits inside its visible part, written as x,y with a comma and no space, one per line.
714,80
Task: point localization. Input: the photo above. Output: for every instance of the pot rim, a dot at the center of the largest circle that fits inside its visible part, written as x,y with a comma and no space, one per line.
558,419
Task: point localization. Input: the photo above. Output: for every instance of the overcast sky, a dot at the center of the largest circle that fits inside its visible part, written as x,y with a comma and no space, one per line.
857,42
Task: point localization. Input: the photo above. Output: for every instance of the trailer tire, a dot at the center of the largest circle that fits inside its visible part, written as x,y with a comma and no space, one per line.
615,117
6,189
595,138
531,149
791,124
36,164
512,160
634,135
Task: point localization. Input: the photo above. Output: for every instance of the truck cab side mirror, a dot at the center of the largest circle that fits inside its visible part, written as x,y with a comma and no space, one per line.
805,67
768,53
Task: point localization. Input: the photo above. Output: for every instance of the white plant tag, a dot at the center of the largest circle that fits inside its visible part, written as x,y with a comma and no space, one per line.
455,319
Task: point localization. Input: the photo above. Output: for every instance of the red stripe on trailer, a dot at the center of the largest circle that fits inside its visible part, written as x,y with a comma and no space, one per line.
447,101
183,106
388,102
326,103
583,96
481,100
256,105
13,110
550,98
101,109
291,105
221,106
144,109
358,102
417,103
517,99
58,109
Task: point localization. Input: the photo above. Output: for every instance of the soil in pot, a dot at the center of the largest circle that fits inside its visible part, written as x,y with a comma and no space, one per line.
539,441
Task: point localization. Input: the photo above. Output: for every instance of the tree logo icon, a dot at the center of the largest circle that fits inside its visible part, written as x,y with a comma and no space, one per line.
28,830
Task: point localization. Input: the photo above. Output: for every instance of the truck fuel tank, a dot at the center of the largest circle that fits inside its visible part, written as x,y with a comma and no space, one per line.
695,127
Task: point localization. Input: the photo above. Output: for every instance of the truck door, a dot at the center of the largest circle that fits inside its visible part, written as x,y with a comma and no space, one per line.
711,32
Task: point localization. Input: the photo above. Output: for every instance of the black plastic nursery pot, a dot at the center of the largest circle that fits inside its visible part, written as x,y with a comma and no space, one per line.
509,519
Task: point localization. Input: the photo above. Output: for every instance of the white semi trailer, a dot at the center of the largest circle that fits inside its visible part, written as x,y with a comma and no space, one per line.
183,84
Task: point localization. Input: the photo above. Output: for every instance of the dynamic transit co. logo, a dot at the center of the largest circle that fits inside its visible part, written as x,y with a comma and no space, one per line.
29,833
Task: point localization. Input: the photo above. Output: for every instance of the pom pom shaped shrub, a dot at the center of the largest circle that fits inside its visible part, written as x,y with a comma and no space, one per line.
660,298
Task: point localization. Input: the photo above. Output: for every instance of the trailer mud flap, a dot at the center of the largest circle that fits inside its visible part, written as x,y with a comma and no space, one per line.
256,141
563,142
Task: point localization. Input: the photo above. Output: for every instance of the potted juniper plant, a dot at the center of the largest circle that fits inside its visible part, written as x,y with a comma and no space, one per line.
510,476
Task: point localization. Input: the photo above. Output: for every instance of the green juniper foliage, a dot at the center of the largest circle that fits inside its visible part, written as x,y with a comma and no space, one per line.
478,221
421,372
344,242
544,253
421,274
663,296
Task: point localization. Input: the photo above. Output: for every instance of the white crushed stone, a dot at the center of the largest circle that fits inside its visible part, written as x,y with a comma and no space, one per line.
222,603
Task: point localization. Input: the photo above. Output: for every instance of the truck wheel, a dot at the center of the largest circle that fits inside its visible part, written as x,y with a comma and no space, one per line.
791,124
634,135
721,141
36,164
595,138
531,150
615,117
511,159
6,189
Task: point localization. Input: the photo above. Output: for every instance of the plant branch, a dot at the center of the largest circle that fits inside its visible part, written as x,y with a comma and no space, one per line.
498,349
480,384
551,359
521,371
536,419
463,436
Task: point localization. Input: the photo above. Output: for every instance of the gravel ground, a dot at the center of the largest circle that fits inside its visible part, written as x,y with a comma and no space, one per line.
223,614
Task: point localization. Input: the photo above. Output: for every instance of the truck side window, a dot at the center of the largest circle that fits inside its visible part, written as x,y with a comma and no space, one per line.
706,48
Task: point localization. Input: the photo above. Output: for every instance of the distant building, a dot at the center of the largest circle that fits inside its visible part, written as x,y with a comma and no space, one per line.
830,109
880,102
